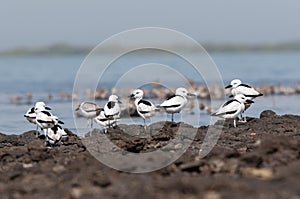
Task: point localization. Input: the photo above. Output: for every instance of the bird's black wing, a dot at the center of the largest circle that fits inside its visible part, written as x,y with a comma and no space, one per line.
145,102
245,85
229,102
47,113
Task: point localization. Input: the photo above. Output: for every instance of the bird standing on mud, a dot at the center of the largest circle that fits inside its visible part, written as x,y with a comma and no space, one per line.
112,108
177,102
232,108
104,121
56,134
144,108
237,87
31,114
45,120
89,110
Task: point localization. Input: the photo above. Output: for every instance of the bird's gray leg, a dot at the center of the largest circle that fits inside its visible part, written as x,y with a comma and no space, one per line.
116,123
234,122
240,119
91,120
46,135
88,123
145,127
172,117
37,131
109,123
243,119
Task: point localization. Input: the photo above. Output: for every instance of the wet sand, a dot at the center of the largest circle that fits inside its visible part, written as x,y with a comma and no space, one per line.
258,159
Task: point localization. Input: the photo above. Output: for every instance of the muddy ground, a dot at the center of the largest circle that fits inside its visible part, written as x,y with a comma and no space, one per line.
258,159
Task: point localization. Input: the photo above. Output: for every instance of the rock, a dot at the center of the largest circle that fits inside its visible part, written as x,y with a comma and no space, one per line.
191,166
178,146
267,114
261,173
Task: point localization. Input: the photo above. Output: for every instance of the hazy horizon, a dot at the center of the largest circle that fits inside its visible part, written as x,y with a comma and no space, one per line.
69,49
34,24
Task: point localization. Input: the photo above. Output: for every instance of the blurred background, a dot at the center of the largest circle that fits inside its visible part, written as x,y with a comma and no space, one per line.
43,44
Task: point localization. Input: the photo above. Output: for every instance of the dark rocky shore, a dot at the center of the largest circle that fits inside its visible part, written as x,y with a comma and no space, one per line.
258,159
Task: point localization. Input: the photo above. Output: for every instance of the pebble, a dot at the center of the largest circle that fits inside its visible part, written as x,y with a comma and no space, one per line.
178,146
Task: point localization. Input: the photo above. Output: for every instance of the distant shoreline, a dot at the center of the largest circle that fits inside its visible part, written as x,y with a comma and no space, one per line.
68,49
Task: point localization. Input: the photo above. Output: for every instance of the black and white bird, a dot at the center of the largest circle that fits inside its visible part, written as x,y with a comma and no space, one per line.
56,134
237,87
30,115
112,108
44,119
232,108
104,121
144,108
177,102
89,110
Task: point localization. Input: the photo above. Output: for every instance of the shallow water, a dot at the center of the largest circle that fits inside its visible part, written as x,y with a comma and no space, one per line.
55,74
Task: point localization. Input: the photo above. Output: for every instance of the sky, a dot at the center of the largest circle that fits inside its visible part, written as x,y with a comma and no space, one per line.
35,23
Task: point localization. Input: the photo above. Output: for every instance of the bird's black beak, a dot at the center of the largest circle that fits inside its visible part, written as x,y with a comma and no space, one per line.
191,95
98,109
230,96
60,122
249,101
47,108
229,86
119,102
131,96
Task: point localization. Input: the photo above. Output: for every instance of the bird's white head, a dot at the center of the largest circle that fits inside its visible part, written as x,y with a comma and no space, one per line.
114,98
55,119
38,109
243,99
181,91
40,106
235,83
137,94
184,93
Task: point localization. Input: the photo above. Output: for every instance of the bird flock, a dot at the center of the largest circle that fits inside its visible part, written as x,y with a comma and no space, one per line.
242,96
48,123
108,116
